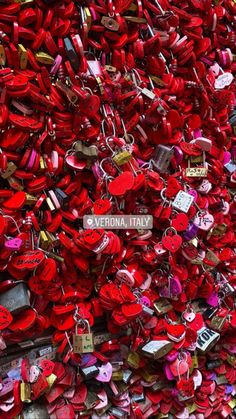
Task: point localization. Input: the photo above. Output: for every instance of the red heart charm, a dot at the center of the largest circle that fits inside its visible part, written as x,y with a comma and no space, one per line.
173,187
47,270
172,243
36,285
186,387
5,318
102,206
180,222
121,184
16,201
47,366
92,237
175,330
189,251
190,149
75,163
197,323
131,310
80,394
23,321
90,105
29,260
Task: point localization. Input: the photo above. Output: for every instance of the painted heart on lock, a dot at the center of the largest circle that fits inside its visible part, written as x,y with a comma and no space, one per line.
180,222
74,163
172,243
173,289
105,373
204,221
197,323
121,184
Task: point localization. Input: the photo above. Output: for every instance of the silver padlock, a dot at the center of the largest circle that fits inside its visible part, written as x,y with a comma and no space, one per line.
230,167
206,339
162,158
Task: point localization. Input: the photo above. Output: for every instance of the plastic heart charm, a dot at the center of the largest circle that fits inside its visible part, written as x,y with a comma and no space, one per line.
172,243
121,184
105,373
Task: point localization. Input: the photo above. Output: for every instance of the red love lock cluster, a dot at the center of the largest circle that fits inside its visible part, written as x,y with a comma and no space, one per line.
111,109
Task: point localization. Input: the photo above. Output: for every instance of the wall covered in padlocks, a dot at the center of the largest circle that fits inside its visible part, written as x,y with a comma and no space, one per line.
117,111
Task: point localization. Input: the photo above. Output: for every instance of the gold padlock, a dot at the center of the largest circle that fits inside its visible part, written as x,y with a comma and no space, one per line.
25,392
211,256
88,16
43,240
44,58
231,360
2,55
15,183
162,306
117,375
133,360
122,157
83,343
51,380
196,159
30,199
197,171
217,323
23,56
11,168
